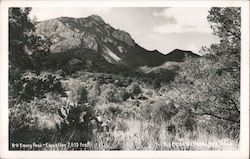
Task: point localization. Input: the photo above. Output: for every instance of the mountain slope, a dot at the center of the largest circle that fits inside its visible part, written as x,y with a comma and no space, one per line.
180,55
112,45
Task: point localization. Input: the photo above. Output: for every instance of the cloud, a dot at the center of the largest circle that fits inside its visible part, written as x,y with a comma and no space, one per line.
186,20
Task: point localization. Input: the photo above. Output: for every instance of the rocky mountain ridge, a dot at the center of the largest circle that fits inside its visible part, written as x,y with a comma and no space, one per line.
92,33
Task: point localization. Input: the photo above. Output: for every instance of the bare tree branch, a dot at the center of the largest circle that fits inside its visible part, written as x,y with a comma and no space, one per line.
216,116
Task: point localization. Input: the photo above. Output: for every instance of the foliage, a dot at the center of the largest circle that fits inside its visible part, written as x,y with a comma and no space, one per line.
78,94
226,24
31,85
134,89
19,25
77,123
26,51
210,86
34,121
25,47
159,111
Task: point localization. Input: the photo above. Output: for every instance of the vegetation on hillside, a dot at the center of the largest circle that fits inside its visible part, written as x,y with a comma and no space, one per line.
107,107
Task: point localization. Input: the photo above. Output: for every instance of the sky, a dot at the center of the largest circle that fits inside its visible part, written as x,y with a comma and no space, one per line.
154,28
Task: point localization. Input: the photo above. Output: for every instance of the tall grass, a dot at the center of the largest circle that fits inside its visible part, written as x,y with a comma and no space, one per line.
143,135
139,121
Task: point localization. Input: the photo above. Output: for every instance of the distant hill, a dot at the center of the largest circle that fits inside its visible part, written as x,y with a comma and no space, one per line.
179,55
106,45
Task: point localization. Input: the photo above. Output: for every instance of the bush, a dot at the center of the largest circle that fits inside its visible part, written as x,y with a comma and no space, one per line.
110,93
94,91
76,123
78,94
123,94
34,121
134,89
159,111
31,85
114,110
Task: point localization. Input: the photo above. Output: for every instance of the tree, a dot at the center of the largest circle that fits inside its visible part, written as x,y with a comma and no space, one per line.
210,85
26,50
19,25
200,88
25,46
226,23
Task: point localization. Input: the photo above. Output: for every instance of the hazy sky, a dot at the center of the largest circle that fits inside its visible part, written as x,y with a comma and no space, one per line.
163,29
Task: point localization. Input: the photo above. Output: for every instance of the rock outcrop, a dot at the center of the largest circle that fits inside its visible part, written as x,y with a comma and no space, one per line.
124,37
89,42
65,45
92,33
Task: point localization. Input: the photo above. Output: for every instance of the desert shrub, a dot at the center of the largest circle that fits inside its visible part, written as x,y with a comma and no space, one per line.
117,110
159,111
78,119
109,110
184,120
93,91
78,94
123,94
20,121
31,85
114,110
161,76
76,124
146,112
39,121
110,94
34,121
134,89
168,109
49,104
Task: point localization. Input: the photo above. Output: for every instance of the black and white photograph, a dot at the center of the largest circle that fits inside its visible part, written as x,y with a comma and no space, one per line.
151,78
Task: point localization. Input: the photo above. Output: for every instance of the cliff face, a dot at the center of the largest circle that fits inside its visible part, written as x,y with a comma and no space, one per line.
92,33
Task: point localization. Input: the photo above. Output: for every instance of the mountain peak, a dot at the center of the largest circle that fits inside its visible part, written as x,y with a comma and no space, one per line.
115,46
179,50
178,55
96,18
